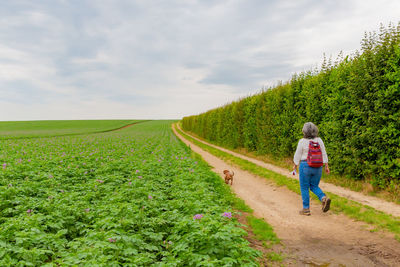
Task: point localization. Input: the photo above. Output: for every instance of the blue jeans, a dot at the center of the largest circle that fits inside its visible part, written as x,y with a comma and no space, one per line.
309,180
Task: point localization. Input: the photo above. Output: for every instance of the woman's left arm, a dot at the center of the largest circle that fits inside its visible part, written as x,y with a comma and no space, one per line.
324,157
323,150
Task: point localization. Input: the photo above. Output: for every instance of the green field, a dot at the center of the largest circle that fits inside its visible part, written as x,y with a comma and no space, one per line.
23,129
132,197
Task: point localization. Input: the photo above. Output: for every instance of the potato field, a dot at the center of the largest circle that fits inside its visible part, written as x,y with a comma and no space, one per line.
132,197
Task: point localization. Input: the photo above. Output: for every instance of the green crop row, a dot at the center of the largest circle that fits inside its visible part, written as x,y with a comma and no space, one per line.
134,197
32,129
354,101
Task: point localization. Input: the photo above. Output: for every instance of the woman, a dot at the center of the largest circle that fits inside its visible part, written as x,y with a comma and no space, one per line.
310,176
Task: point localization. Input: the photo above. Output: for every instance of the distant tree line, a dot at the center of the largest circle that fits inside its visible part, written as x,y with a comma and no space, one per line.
355,102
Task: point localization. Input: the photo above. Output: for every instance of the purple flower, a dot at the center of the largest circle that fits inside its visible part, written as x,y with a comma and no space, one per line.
137,171
169,243
140,177
99,181
112,240
87,210
130,183
4,166
150,197
29,211
227,214
197,216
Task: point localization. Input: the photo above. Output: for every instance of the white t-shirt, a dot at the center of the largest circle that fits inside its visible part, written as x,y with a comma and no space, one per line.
302,150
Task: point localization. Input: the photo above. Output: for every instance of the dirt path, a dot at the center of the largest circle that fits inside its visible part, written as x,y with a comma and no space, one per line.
323,239
376,203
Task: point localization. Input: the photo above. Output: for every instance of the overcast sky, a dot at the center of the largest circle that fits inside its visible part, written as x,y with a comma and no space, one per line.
145,59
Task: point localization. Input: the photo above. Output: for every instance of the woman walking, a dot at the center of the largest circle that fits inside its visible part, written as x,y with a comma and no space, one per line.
310,156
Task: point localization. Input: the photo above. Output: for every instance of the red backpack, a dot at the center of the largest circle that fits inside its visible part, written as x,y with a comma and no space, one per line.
314,158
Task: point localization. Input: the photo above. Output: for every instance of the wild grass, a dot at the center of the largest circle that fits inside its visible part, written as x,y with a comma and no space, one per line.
263,231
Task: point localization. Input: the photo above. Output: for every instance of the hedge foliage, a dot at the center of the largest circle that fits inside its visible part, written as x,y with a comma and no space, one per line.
355,102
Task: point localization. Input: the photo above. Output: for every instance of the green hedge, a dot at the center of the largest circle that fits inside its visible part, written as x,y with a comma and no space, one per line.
355,102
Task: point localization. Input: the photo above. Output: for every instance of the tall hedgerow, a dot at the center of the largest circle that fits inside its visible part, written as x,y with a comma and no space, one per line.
354,101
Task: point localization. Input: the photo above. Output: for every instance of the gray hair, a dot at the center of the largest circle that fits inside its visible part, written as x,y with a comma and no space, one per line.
310,130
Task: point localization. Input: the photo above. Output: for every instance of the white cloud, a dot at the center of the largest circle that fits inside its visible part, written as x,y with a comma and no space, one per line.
165,59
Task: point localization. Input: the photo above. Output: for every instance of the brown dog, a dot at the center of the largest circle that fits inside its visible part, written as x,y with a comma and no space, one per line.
228,176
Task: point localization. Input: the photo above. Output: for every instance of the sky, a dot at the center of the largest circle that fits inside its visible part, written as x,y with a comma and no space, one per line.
165,59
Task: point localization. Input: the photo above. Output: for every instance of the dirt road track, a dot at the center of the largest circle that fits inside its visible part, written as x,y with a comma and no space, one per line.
322,239
374,202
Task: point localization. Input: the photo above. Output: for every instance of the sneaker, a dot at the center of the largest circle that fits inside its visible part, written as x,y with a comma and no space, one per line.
326,203
305,212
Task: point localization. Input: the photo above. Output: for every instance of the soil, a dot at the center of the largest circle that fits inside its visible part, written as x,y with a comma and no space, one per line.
126,126
322,239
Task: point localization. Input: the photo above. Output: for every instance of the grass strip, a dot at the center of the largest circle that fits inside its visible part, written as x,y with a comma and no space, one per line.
379,220
263,231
